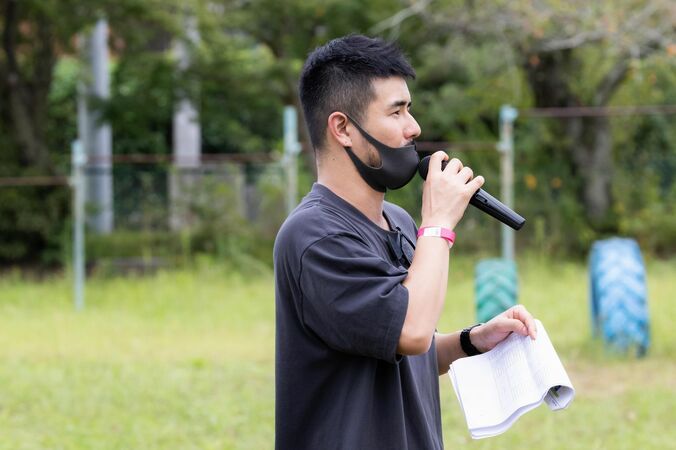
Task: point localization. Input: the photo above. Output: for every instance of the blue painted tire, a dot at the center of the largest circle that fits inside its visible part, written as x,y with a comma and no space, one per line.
496,287
618,302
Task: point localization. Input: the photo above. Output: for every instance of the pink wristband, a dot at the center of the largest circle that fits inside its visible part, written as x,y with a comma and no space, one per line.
443,233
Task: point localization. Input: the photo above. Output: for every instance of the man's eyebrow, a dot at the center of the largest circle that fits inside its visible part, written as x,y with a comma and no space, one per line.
400,103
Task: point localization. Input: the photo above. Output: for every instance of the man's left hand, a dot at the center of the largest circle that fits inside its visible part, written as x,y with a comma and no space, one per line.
515,320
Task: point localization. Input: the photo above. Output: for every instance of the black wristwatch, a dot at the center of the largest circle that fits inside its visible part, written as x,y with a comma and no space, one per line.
465,342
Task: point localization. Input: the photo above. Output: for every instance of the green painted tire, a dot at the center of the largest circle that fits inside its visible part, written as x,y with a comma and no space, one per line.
496,287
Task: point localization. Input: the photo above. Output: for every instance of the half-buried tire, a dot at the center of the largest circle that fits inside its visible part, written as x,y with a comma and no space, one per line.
496,287
618,302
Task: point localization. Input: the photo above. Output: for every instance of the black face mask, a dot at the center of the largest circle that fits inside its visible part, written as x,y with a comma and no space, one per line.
397,165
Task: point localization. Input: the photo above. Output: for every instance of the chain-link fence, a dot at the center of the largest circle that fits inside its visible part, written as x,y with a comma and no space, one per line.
165,215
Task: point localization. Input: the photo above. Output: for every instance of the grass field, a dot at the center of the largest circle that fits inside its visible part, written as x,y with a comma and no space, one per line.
185,360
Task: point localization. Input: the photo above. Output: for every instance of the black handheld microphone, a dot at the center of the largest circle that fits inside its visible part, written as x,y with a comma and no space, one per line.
482,200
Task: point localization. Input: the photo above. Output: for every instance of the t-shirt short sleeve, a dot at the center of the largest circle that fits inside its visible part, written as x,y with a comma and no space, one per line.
352,298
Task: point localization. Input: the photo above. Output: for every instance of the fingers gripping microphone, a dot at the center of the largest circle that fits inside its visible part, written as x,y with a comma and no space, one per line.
482,200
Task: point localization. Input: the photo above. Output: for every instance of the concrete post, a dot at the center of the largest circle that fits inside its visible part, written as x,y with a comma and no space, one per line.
95,135
187,136
508,115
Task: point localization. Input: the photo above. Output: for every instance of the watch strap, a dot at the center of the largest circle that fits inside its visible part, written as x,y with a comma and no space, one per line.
466,343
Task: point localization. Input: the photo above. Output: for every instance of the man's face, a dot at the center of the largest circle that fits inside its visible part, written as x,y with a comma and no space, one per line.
388,117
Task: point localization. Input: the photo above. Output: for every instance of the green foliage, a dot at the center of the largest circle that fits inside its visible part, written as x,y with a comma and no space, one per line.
33,219
142,104
27,235
240,103
652,215
62,123
219,226
132,244
42,77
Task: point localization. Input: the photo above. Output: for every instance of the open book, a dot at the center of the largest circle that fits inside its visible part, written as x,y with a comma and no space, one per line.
497,387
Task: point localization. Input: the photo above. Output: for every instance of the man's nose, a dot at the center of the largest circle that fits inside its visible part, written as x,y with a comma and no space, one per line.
412,130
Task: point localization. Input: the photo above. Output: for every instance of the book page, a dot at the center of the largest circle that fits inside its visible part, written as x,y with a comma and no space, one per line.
476,391
547,370
512,375
497,387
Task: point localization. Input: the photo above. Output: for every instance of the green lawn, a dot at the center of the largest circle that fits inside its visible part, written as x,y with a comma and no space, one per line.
185,360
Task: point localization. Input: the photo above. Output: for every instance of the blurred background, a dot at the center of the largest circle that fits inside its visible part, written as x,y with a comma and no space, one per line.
193,150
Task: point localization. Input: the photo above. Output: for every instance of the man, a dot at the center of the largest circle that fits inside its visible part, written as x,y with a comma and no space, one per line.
358,296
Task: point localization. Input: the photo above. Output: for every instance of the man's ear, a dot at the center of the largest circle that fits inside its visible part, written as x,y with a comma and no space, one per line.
337,127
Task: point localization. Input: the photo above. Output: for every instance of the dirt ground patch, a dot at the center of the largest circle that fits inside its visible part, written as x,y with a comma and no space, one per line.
609,378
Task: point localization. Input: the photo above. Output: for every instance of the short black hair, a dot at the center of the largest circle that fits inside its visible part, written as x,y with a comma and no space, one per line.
338,76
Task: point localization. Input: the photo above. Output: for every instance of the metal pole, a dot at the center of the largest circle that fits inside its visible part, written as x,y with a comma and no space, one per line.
291,150
508,115
78,160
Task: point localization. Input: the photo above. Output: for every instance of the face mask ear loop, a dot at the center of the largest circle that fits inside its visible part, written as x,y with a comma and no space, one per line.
363,171
375,142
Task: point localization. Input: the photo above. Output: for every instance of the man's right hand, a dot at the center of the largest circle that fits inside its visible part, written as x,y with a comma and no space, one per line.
446,193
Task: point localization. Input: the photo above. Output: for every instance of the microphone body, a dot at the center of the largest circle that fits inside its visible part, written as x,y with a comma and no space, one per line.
482,200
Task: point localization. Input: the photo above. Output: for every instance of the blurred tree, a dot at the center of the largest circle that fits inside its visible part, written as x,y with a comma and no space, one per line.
572,53
278,36
34,34
37,114
470,57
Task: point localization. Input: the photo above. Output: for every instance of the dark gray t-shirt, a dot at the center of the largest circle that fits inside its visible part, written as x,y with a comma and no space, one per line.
340,307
